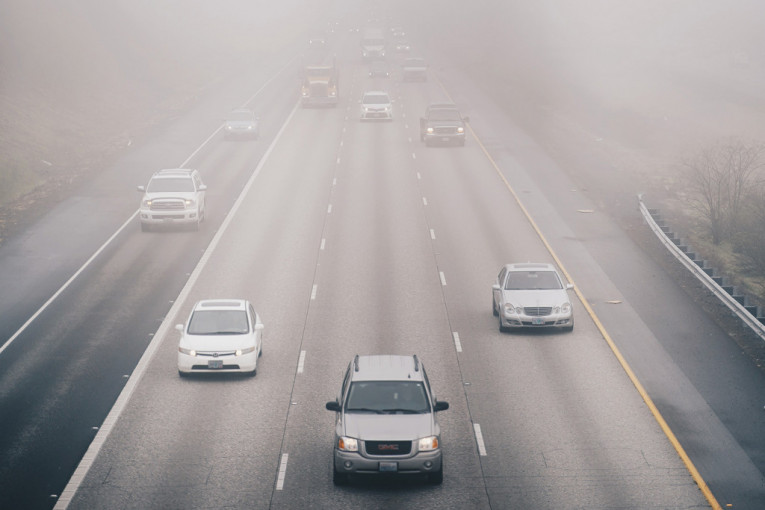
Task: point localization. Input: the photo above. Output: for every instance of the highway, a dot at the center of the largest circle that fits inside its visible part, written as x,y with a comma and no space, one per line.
353,237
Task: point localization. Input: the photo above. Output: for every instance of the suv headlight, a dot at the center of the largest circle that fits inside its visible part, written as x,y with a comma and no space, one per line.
460,129
190,352
348,444
430,130
147,203
189,202
428,444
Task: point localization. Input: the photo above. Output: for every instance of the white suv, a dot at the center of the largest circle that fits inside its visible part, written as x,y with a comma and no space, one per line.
173,197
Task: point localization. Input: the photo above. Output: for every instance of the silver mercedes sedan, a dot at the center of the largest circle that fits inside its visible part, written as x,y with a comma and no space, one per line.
531,295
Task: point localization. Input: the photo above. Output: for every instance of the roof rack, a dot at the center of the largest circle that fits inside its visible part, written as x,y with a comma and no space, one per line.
416,363
356,363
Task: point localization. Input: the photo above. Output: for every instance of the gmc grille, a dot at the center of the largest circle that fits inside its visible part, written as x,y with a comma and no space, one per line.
388,447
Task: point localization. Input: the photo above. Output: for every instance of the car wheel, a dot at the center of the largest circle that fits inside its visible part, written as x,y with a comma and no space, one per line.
183,374
260,352
253,373
494,307
437,477
339,478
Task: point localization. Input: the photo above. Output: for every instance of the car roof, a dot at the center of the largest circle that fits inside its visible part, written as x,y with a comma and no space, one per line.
386,367
221,304
444,106
530,266
241,110
375,92
174,172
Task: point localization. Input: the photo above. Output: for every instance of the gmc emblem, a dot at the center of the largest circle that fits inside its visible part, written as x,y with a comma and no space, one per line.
387,447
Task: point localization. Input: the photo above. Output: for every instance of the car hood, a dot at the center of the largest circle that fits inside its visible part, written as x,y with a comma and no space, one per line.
450,123
375,105
529,298
217,342
389,427
190,195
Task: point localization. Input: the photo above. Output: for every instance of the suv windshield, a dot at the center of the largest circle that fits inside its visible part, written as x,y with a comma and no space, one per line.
532,280
387,397
445,114
176,184
241,115
218,322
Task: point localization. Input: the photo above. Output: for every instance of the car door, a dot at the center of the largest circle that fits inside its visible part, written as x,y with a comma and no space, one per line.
497,290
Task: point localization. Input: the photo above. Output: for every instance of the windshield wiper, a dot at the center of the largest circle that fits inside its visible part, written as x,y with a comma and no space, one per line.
363,409
404,411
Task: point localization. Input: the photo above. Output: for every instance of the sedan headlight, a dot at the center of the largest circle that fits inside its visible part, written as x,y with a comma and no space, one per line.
348,444
510,309
428,444
240,352
566,308
190,352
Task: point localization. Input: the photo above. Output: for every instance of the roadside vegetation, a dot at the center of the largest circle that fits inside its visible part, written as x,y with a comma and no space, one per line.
725,186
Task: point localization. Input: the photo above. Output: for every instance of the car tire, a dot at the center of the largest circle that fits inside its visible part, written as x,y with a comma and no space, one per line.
253,373
502,329
494,307
339,478
182,375
437,477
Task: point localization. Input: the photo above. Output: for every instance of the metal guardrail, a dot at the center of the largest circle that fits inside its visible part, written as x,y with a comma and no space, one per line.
725,297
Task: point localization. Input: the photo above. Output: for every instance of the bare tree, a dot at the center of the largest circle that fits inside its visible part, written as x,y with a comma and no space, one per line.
719,178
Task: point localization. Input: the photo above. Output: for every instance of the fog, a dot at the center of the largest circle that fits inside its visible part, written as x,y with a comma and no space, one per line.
77,76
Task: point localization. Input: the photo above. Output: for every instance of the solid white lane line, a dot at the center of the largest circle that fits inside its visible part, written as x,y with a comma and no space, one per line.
282,472
301,362
323,243
457,343
443,278
313,292
127,391
479,440
432,234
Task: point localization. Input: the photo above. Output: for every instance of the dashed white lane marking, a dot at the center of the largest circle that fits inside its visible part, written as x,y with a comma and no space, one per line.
334,181
414,156
329,209
338,160
313,291
410,138
323,242
424,201
301,362
443,277
342,142
432,234
457,343
282,472
419,177
479,440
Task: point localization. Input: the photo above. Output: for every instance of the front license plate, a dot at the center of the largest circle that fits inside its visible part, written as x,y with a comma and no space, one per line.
388,467
215,363
537,320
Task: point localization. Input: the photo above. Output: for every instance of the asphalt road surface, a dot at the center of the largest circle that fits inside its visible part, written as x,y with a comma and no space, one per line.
353,237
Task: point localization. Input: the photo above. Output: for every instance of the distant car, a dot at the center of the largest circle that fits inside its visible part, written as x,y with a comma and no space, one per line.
532,295
220,335
317,40
386,420
376,104
397,31
379,68
401,46
173,197
241,123
414,69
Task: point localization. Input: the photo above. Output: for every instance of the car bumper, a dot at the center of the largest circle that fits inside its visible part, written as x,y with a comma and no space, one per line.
205,364
376,115
445,139
419,463
548,321
169,217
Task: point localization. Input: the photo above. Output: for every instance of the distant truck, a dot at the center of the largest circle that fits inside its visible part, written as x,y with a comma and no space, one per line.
373,44
320,85
414,69
443,124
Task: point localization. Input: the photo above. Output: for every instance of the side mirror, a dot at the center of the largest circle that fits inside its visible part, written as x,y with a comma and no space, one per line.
202,187
333,406
259,326
569,286
441,406
179,328
495,286
142,189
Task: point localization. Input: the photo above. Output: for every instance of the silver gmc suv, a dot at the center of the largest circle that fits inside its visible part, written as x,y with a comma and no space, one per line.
386,420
